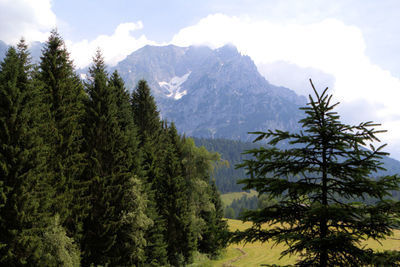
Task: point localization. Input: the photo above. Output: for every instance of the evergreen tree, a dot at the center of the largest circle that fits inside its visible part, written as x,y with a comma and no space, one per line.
24,191
177,177
147,120
125,121
317,214
58,248
145,113
113,231
135,202
64,96
215,233
172,197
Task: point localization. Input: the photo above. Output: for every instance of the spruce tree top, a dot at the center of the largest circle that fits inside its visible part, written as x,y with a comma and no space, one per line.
324,185
146,115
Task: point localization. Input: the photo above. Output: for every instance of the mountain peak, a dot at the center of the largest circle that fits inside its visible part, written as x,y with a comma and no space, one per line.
228,48
228,51
211,93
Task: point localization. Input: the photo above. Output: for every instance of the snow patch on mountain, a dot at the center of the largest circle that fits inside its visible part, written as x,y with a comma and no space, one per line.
174,86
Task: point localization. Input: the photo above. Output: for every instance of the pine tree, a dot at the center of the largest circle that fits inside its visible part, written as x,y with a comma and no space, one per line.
125,121
24,191
64,96
114,229
145,113
173,201
135,203
319,182
147,120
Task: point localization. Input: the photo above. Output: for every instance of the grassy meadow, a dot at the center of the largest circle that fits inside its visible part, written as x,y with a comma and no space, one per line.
255,254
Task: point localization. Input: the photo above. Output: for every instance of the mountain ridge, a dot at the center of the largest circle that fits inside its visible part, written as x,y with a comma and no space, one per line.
214,93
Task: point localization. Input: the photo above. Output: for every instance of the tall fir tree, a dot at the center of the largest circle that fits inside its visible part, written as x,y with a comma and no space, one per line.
24,190
64,96
145,113
115,227
173,200
135,202
148,123
125,121
319,215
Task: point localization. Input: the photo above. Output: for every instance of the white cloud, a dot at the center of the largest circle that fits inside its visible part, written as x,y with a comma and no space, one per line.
114,47
25,18
330,46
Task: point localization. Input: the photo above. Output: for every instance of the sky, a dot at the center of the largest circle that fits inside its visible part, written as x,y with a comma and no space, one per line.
350,46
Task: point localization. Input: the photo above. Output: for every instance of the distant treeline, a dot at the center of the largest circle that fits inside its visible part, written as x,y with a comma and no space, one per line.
232,151
227,175
90,175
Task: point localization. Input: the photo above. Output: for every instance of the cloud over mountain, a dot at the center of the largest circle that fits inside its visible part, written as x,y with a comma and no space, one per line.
114,47
24,18
329,46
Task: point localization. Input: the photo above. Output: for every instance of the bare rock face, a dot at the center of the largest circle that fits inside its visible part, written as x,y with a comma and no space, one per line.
212,93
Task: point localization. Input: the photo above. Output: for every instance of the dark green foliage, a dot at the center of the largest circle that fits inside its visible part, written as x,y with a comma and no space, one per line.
24,191
233,210
241,204
58,248
205,204
177,174
317,215
156,247
64,96
125,121
114,228
232,151
215,233
172,197
93,178
230,213
148,124
145,113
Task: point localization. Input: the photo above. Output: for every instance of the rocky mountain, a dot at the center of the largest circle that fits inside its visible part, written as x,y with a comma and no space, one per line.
212,93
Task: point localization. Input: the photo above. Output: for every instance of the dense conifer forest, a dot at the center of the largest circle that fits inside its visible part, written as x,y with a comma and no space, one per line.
91,176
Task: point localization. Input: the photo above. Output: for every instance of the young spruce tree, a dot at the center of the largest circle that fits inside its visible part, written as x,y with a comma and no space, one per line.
318,215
